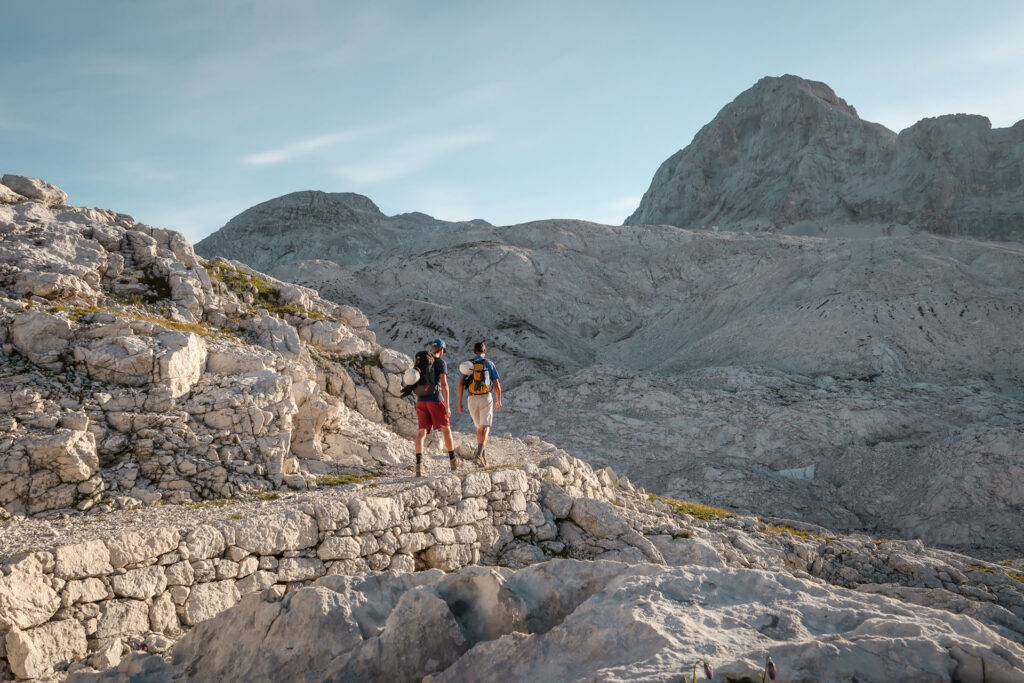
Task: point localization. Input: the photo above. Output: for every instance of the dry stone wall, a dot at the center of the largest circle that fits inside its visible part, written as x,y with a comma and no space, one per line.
143,589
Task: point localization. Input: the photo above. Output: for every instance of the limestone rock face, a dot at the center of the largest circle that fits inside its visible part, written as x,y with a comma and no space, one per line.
132,372
565,619
789,155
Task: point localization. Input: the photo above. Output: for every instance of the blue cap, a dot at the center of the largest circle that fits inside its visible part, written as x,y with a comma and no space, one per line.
439,343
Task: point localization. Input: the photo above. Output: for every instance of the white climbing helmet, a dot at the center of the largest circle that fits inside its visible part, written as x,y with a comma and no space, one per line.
466,368
411,376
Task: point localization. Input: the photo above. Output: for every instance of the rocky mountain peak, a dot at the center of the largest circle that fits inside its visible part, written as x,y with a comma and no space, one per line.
307,225
789,155
813,93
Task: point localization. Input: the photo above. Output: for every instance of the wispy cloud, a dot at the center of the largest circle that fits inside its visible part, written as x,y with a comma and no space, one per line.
409,157
301,148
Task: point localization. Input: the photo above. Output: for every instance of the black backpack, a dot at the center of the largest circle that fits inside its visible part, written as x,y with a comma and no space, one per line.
427,383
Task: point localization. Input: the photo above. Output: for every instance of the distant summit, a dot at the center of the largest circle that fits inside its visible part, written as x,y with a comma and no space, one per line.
307,225
789,155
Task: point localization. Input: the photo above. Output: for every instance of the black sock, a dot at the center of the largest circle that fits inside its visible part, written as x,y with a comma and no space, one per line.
451,455
419,458
479,449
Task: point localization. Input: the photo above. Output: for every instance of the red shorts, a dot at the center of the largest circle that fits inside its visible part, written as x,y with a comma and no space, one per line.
431,415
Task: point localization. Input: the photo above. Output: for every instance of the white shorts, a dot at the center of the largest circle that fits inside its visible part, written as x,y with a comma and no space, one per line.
481,408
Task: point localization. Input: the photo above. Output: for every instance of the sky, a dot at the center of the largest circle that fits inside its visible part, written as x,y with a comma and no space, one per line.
183,113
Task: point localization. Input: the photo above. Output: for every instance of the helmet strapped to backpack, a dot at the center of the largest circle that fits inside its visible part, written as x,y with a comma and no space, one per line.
479,383
426,384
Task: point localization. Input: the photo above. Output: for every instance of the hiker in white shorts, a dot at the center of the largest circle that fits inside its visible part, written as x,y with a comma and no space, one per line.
484,390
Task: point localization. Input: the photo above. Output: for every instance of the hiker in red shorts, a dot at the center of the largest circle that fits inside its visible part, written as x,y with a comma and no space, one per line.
432,408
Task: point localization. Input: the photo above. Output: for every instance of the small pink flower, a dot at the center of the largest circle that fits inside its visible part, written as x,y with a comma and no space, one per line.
709,673
769,666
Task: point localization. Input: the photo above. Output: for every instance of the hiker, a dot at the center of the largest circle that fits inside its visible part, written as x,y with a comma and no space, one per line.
482,401
432,404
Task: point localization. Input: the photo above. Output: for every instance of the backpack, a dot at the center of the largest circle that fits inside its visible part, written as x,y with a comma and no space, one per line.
427,384
479,383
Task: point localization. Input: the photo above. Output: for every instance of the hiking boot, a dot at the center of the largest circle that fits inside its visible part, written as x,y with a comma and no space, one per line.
453,460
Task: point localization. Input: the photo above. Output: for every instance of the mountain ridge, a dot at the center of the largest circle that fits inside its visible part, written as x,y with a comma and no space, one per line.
790,155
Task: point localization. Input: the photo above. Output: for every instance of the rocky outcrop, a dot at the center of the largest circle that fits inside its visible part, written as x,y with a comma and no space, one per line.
131,372
789,155
571,620
31,188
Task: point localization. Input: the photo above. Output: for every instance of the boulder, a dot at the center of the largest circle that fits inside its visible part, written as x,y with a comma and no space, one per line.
82,560
176,359
52,286
122,618
38,652
140,584
205,542
274,534
71,454
207,600
134,548
598,518
41,337
26,598
34,188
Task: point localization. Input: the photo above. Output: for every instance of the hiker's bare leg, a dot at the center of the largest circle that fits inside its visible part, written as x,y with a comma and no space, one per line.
448,441
420,436
481,434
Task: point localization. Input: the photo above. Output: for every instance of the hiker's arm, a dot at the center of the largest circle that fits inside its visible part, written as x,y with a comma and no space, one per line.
497,395
462,387
444,393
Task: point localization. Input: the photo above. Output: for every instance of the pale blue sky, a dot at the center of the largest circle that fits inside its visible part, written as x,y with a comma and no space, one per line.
185,112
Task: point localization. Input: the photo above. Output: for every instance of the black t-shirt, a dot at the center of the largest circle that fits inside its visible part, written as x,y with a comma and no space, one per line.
440,368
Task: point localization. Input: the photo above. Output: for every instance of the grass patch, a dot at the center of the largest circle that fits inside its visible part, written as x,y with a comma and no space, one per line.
682,507
1016,576
264,294
202,329
342,479
237,515
80,312
786,529
979,568
269,496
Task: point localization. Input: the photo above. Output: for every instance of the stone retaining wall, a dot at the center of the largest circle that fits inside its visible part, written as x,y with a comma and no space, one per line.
143,589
